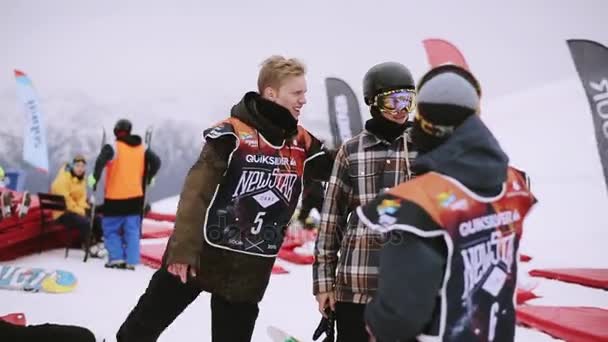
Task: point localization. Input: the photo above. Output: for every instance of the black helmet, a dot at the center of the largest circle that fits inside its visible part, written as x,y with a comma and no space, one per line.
122,125
384,77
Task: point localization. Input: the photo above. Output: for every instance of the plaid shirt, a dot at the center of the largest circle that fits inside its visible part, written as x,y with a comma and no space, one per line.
346,252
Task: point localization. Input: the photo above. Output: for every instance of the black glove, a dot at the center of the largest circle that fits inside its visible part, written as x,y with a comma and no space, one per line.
326,326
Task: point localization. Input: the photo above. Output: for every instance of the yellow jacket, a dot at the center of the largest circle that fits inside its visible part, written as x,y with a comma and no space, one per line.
74,191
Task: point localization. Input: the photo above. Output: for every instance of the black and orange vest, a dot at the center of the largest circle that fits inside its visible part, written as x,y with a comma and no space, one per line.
124,173
477,299
261,187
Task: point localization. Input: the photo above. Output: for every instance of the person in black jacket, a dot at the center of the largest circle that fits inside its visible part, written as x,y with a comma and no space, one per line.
449,268
235,204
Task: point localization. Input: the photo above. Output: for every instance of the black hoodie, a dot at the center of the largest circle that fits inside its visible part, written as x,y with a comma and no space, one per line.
234,276
273,121
276,124
472,156
406,297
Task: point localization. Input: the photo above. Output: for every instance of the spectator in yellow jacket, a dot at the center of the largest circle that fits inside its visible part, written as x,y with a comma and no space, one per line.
71,184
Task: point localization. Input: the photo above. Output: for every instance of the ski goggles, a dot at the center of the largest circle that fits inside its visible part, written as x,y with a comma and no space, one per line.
438,131
395,101
79,159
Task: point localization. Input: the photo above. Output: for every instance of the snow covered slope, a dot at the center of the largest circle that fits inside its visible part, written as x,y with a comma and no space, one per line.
104,298
548,132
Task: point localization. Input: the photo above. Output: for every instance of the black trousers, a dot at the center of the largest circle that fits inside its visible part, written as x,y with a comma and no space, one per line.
312,198
82,223
166,297
350,322
44,332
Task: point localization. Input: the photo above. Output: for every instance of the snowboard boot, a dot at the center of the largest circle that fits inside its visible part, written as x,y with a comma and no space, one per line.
118,264
98,251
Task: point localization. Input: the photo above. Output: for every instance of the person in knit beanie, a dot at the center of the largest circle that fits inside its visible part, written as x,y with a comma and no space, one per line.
448,271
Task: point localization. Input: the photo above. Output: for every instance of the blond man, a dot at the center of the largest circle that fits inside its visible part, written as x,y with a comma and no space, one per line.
236,201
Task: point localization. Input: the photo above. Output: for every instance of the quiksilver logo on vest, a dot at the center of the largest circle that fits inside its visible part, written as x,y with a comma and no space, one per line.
492,221
269,160
253,181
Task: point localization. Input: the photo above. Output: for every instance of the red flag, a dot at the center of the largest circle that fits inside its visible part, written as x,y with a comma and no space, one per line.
440,52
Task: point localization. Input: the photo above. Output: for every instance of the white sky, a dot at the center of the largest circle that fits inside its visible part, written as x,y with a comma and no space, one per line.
195,58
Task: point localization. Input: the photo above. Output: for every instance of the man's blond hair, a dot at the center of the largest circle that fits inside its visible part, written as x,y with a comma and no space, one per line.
276,69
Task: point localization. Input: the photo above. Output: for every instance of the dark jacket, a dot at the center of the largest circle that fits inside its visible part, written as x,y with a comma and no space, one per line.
234,276
411,270
131,206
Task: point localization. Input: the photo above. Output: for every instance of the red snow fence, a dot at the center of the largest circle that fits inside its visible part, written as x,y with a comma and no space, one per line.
152,255
15,319
525,258
160,216
591,277
573,324
289,254
155,229
293,240
522,296
278,269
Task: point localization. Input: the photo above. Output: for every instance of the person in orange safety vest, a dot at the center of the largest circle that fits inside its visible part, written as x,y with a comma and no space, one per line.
129,165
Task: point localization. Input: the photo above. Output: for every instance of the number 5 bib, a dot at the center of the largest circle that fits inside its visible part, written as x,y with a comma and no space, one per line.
260,190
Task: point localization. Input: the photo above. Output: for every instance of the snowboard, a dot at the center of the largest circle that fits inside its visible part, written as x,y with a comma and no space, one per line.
278,335
31,279
148,144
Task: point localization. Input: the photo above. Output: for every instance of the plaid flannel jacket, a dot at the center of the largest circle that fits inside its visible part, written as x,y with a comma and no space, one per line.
346,252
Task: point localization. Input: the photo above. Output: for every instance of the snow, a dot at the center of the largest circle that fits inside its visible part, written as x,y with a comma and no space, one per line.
166,206
554,144
104,298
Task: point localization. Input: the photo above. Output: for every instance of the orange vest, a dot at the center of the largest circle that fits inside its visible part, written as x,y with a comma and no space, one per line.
124,174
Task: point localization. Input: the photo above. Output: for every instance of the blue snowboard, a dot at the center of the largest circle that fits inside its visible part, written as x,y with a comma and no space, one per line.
36,279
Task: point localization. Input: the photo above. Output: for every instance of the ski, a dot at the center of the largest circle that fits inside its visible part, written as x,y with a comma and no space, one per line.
92,213
147,142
